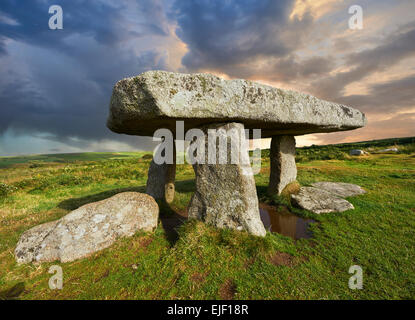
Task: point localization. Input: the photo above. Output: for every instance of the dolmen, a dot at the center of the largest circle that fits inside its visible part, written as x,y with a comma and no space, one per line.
225,193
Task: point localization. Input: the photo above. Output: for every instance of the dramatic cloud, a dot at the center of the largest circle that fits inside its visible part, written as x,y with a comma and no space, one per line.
387,97
393,49
60,81
247,39
55,85
223,33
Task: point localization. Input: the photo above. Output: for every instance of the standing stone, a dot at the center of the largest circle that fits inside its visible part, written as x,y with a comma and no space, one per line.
160,182
225,194
283,168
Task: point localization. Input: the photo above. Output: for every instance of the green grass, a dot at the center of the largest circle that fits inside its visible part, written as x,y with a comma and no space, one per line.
42,160
207,263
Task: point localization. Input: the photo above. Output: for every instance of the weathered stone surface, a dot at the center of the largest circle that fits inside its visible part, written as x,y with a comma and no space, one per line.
156,99
357,152
320,201
90,228
283,167
389,150
225,194
160,182
340,189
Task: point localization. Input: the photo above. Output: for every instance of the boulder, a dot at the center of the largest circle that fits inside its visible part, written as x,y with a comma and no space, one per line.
225,194
156,99
320,201
388,150
340,189
357,152
283,167
88,229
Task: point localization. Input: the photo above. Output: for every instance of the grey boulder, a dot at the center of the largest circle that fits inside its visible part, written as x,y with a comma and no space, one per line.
88,229
357,152
389,150
320,201
340,189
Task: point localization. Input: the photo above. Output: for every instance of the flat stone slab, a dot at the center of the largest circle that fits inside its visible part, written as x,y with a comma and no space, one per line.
340,189
156,99
389,150
320,201
88,229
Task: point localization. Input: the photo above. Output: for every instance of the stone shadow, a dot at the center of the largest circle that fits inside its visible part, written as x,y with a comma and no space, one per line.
185,185
74,203
13,293
262,192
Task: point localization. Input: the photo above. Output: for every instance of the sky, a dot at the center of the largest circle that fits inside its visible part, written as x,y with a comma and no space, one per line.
55,85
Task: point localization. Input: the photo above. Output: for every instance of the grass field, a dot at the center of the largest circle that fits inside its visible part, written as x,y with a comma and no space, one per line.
207,263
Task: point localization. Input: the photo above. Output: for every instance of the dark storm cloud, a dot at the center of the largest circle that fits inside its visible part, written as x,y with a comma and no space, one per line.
2,46
220,34
60,81
98,19
385,97
247,39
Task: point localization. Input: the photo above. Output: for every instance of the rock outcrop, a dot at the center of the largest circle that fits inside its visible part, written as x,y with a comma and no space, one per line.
320,201
340,189
324,197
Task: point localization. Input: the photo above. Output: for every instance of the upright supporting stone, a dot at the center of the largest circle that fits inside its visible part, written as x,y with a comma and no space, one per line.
225,194
160,182
283,168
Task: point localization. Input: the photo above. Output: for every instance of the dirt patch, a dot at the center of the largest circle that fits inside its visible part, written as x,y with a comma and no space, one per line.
282,259
145,242
198,277
249,262
227,290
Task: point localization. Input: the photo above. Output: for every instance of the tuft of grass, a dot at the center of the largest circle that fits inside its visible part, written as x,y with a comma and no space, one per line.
6,189
291,188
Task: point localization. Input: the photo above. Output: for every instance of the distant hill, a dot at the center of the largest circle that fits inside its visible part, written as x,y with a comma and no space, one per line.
370,143
341,151
35,160
314,152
